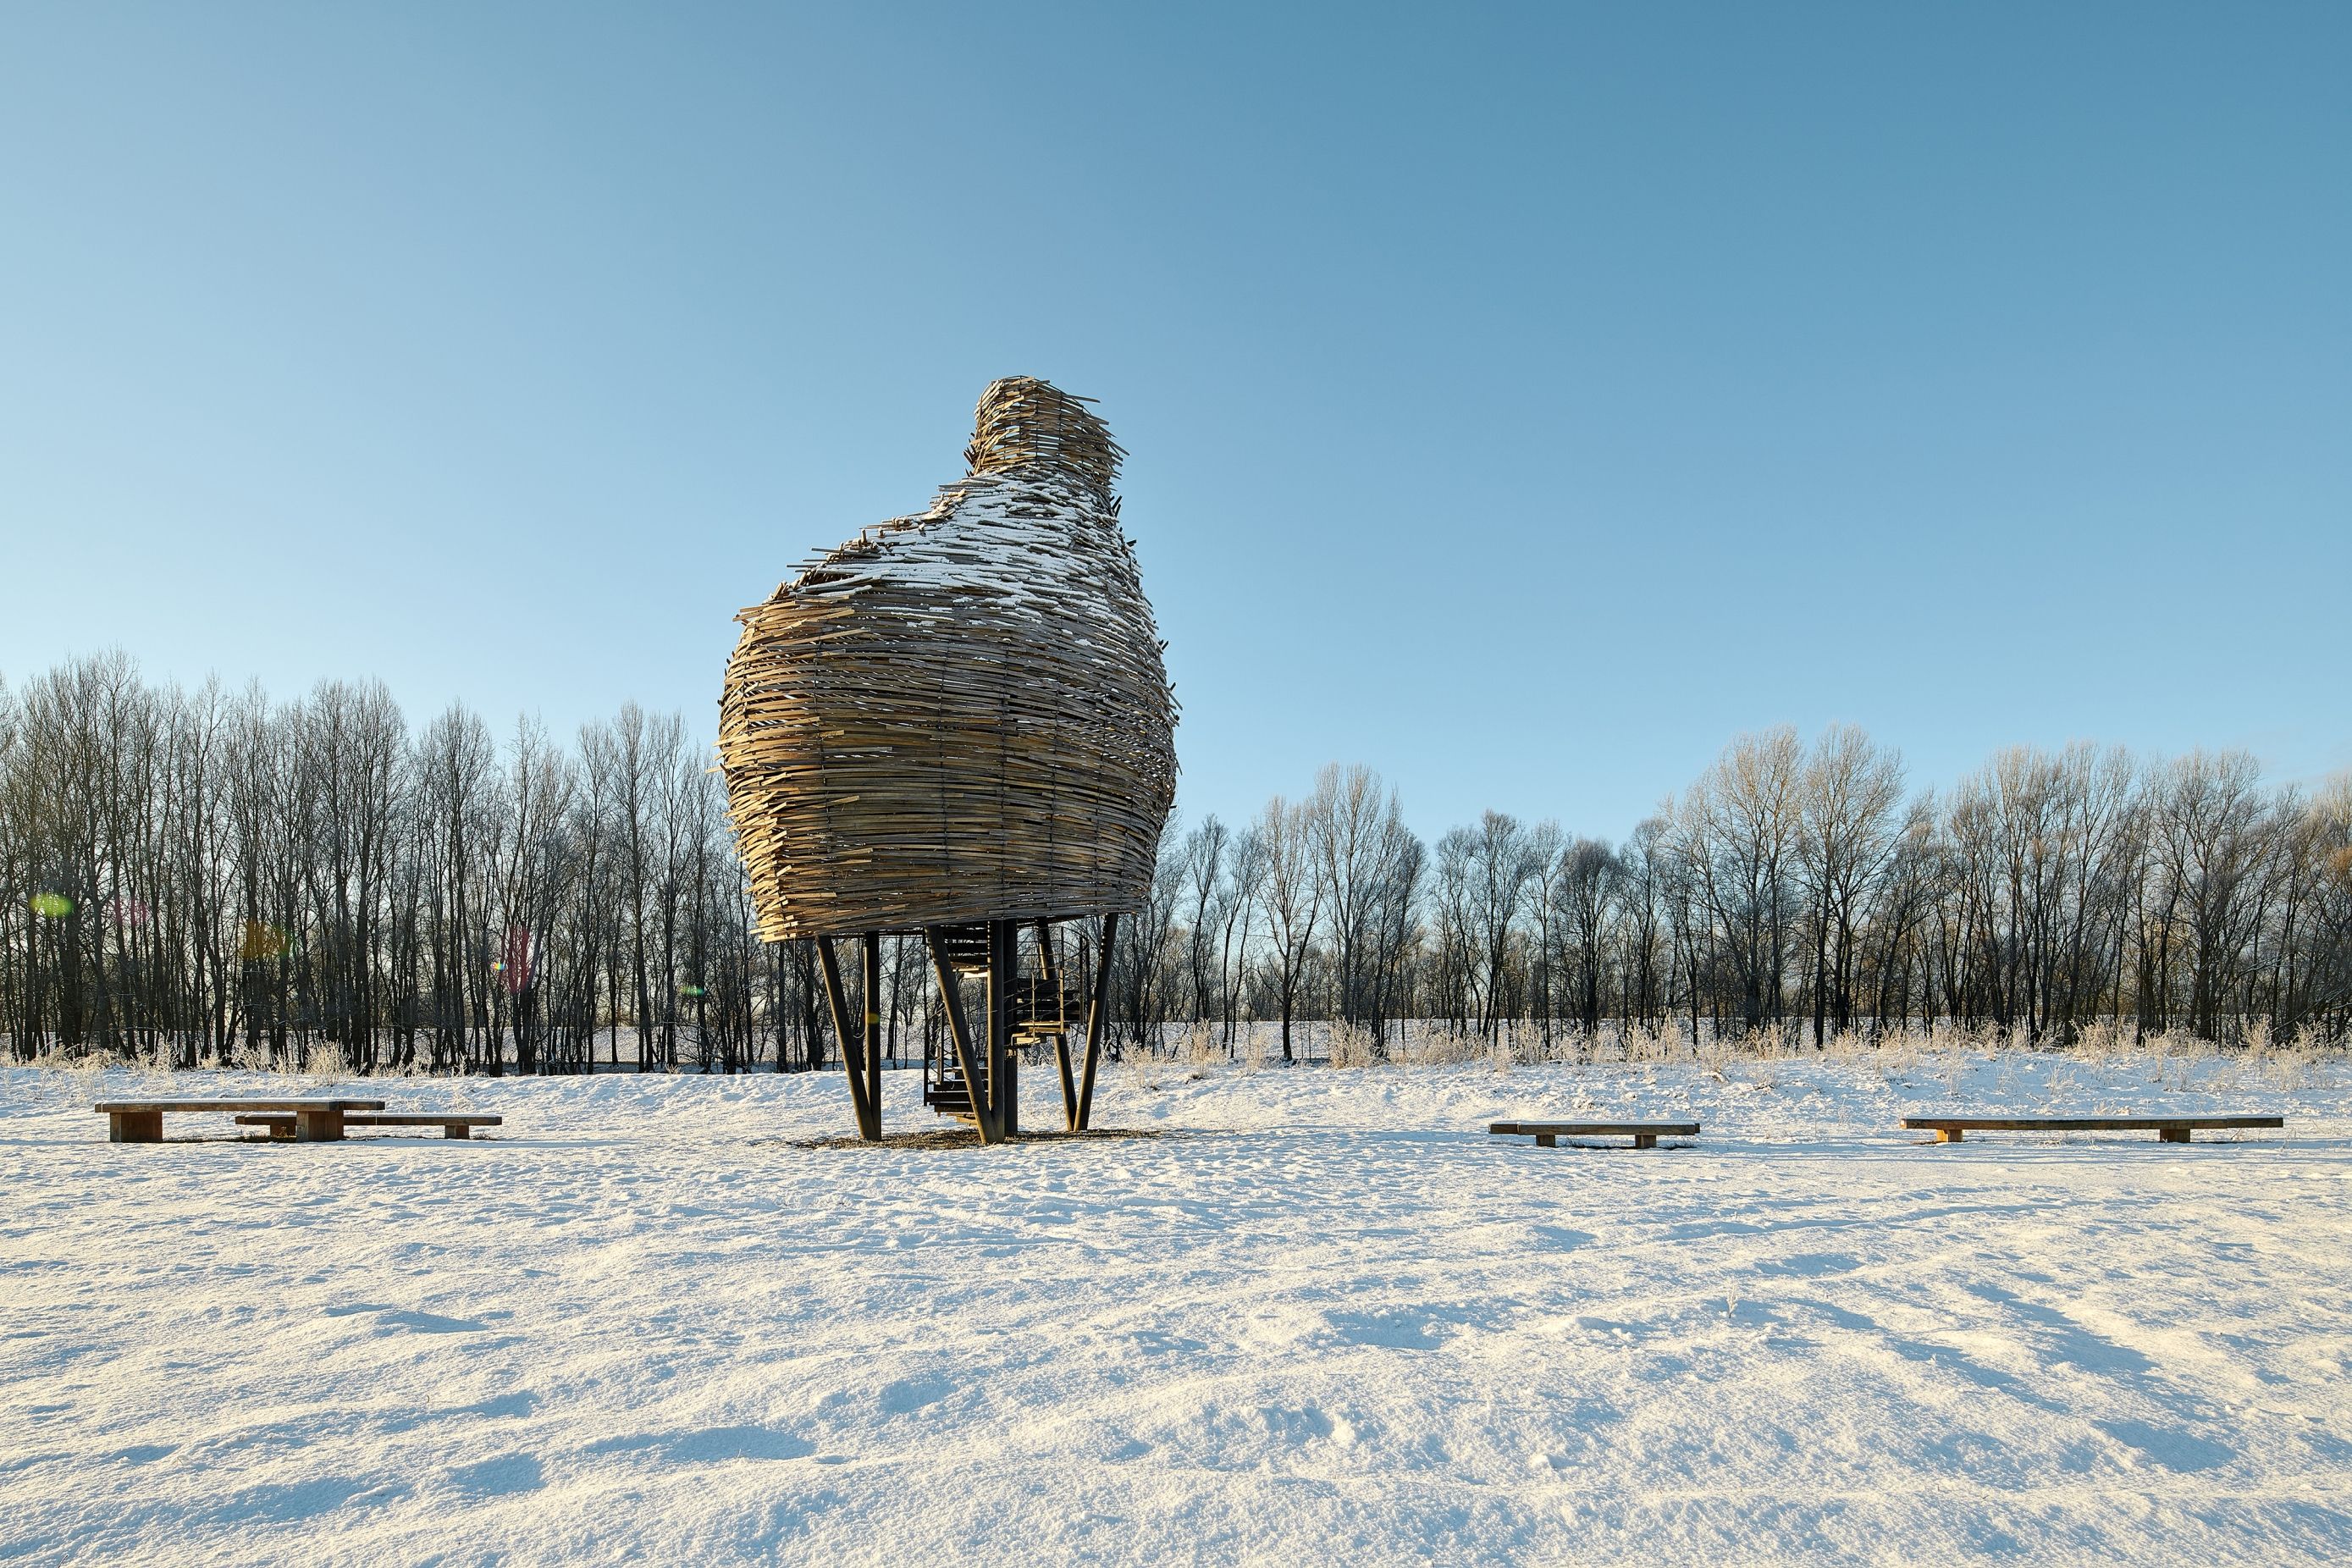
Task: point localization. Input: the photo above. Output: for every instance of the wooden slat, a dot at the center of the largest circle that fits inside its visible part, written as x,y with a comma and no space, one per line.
290,1106
1595,1129
2086,1123
389,1118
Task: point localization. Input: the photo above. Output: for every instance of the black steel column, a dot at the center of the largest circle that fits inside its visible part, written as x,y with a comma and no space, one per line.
1098,1017
874,1031
848,1035
1003,969
1049,974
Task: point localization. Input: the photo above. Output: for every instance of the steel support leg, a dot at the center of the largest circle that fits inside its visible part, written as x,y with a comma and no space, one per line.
1004,1067
1049,970
1098,1017
874,1031
853,1046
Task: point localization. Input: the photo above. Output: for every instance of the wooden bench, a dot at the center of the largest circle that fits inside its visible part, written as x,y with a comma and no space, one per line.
1547,1134
452,1124
2170,1129
314,1120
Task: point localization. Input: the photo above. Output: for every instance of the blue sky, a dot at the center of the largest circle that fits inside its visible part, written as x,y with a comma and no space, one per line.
1521,401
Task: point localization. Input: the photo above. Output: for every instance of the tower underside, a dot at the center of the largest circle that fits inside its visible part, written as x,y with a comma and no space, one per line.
976,1074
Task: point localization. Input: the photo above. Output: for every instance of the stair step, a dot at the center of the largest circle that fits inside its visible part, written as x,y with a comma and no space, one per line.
967,948
1034,1001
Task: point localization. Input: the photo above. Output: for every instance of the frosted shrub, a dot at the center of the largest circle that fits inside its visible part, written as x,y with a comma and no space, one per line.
1846,1046
2226,1075
1713,1051
1439,1048
87,1066
328,1060
2170,1058
1670,1043
1252,1053
1350,1046
2257,1039
1898,1052
1499,1055
1951,1070
1143,1068
1201,1050
2292,1064
2102,1040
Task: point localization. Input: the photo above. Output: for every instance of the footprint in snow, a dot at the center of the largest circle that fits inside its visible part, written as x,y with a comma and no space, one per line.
910,1394
2179,1451
502,1477
709,1445
392,1319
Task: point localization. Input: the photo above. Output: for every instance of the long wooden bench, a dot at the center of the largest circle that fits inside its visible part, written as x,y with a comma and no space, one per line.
2170,1129
452,1124
314,1120
1547,1134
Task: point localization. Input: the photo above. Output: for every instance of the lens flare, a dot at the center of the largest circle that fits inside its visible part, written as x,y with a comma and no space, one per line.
515,966
52,905
262,941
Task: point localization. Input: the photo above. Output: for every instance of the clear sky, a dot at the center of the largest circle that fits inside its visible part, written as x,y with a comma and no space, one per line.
1521,401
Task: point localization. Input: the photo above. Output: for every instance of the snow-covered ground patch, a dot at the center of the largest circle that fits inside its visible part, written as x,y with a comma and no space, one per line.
1322,1317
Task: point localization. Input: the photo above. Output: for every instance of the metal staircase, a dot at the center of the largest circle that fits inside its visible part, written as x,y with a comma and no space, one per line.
1042,1012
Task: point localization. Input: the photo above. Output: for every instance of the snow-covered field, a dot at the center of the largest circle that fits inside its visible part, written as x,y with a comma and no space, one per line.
1322,1317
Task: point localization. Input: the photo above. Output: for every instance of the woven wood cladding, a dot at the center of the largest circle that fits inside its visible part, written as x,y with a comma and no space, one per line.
959,715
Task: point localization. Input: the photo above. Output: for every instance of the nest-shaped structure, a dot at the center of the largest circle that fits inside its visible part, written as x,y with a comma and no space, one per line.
961,715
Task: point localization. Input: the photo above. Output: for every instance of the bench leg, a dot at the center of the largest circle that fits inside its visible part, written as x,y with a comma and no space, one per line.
1948,1134
1546,1141
319,1126
134,1127
1645,1140
2173,1134
456,1130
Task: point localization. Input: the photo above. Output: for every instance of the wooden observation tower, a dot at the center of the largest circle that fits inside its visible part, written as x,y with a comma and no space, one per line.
958,724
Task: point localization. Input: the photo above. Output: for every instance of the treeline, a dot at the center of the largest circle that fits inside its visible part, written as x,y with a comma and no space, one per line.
1790,888
212,877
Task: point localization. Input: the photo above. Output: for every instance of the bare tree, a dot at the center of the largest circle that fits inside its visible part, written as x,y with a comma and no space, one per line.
1293,894
1846,829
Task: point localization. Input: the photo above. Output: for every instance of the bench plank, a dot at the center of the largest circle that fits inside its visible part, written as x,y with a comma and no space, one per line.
290,1106
2170,1129
452,1124
1547,1134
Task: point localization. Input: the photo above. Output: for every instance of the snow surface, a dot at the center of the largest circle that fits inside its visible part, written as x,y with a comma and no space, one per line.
1322,1317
